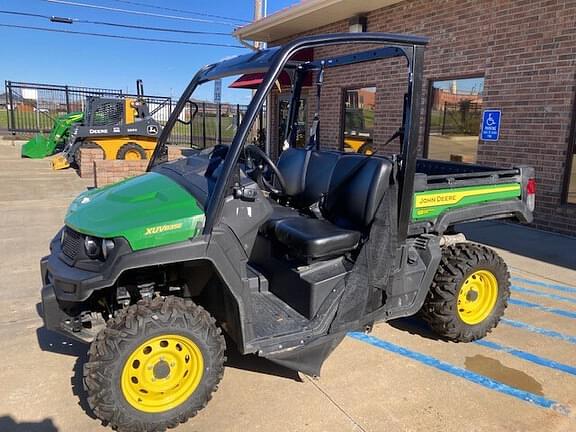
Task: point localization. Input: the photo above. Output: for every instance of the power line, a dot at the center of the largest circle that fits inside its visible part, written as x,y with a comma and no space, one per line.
105,23
159,29
182,11
120,37
133,12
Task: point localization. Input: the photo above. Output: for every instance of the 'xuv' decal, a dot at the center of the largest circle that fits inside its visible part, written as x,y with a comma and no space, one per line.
162,228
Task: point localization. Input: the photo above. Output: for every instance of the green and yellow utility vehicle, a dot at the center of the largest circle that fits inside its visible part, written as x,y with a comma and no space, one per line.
284,257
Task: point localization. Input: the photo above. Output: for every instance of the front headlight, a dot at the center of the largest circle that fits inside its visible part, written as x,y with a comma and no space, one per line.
107,247
92,247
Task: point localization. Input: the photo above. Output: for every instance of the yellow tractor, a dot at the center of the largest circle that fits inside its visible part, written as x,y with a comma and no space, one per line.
122,127
358,144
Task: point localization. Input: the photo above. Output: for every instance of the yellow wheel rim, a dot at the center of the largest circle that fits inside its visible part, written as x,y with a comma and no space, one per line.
477,297
132,155
162,373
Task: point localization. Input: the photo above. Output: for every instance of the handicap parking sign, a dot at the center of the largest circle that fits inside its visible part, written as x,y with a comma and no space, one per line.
490,130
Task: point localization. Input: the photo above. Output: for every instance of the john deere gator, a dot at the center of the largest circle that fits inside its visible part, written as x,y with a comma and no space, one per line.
284,256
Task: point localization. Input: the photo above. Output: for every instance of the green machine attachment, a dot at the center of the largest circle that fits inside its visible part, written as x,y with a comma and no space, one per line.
41,146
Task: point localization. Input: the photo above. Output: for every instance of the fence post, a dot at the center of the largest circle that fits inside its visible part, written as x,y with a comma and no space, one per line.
237,116
219,115
203,124
67,99
12,126
191,124
173,133
7,103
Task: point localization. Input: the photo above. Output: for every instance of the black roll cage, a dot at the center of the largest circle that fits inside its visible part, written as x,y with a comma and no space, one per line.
273,61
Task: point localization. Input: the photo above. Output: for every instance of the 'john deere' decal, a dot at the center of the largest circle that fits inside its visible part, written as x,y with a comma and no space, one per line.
162,228
430,204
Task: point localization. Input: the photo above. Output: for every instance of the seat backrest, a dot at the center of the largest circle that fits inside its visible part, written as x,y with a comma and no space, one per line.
292,164
320,169
307,174
353,204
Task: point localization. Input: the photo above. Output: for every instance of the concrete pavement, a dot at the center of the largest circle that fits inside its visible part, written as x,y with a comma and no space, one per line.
401,379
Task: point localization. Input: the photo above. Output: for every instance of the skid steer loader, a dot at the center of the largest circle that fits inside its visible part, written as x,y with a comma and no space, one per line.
122,127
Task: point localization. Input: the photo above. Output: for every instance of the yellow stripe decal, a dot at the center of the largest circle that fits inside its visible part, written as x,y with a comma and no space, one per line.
454,197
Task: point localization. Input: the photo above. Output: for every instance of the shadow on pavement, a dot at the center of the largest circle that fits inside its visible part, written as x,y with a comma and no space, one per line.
253,363
55,343
415,326
8,424
524,240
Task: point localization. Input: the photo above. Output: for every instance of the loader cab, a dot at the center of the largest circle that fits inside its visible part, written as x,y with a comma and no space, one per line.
114,111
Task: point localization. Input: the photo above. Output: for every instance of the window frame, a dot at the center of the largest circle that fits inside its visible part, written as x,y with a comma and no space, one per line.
343,108
428,118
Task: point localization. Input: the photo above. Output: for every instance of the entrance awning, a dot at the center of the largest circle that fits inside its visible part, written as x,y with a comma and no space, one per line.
253,80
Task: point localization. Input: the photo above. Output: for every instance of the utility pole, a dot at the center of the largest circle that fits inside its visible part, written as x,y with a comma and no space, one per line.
258,15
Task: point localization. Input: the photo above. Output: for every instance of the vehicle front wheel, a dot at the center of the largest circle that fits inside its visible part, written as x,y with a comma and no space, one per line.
469,293
155,365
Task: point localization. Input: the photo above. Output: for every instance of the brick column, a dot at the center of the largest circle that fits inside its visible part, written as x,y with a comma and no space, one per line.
86,162
112,171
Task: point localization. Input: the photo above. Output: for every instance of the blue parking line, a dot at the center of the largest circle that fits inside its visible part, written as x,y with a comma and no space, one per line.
463,373
540,330
524,355
561,312
542,294
563,288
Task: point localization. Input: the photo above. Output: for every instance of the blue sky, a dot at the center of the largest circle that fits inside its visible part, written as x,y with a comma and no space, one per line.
55,58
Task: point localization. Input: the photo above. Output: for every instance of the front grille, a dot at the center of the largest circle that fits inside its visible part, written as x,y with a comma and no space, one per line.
71,243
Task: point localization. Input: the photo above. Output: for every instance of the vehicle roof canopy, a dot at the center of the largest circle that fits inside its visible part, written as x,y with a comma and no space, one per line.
260,61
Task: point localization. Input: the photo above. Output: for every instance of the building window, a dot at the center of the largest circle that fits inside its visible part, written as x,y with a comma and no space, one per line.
359,107
455,110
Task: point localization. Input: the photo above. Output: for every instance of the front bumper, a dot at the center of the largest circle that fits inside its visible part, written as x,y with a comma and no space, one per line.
66,287
55,319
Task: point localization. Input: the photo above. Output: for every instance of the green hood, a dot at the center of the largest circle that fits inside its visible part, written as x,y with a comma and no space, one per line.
149,210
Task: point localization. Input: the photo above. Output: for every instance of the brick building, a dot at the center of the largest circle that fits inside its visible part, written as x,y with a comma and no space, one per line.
516,56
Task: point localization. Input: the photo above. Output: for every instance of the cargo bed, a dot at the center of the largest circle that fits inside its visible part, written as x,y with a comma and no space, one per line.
446,193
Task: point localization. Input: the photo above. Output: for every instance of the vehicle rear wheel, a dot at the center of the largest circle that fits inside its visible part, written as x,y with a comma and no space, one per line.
131,151
469,293
155,365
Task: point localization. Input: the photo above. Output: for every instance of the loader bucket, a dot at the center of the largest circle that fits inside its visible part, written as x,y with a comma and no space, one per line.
41,146
59,162
38,147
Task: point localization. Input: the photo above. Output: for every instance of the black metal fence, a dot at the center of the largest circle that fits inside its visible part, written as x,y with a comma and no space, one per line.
462,118
32,108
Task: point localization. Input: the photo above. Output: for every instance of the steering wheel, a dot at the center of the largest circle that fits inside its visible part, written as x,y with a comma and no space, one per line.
263,167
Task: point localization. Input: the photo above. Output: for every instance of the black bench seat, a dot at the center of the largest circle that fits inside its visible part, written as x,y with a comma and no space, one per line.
352,185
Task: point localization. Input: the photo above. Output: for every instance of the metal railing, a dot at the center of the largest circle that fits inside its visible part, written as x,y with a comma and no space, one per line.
33,107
